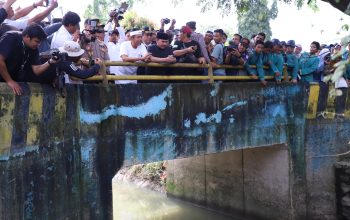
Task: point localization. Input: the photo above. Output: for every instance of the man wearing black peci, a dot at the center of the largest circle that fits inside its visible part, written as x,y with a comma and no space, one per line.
161,53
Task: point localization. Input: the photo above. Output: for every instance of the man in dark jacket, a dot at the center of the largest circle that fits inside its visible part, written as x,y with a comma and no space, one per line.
19,53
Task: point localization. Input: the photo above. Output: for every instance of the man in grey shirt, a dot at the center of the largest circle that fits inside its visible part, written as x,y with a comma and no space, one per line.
217,55
200,39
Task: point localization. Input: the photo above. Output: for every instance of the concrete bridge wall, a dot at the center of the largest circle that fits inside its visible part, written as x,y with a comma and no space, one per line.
58,155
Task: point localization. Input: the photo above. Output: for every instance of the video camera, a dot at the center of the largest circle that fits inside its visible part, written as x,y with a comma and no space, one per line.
166,20
231,46
93,23
118,13
230,49
55,54
88,35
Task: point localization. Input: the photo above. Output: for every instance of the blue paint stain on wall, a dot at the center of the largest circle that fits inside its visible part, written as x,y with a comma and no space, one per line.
187,123
149,145
152,107
237,104
275,114
195,132
199,131
281,91
87,147
278,110
215,91
28,205
21,153
232,119
202,118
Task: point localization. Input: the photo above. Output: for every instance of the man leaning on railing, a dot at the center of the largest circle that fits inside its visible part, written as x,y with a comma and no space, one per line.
19,56
188,51
133,51
161,53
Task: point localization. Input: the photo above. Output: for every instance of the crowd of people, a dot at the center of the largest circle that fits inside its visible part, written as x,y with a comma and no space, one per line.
68,51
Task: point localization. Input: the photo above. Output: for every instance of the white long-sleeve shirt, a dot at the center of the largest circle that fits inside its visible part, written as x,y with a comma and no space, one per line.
61,36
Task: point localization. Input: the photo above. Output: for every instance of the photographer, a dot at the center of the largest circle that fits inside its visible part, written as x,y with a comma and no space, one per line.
69,59
165,21
236,56
92,41
19,56
113,23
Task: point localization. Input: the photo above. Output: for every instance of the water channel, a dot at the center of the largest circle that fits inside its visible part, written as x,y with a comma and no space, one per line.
131,202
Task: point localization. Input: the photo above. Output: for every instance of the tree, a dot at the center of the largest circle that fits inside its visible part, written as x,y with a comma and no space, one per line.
226,6
257,19
99,9
132,20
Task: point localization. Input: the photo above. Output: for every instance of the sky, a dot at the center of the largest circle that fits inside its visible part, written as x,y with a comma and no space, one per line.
303,26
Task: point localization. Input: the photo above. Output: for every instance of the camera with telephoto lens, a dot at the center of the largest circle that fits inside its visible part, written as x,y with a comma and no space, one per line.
57,55
54,54
118,13
166,20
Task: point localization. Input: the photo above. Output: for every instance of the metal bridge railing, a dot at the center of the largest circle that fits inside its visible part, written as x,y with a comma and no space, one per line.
210,77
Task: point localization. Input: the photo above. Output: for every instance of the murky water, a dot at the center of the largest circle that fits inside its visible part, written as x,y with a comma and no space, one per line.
133,203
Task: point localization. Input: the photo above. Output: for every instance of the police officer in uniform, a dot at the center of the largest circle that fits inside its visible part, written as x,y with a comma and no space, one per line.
95,48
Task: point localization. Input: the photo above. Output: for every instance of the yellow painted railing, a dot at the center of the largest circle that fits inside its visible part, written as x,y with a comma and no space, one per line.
210,77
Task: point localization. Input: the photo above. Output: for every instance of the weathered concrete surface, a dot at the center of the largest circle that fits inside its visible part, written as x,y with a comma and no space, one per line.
226,166
42,179
105,128
324,140
190,186
343,189
267,183
252,183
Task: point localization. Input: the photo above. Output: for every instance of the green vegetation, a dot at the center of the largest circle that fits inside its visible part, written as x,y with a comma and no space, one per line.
227,6
132,20
257,19
101,8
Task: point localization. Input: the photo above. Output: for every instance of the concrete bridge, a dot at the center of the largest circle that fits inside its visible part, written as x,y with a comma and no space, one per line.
59,155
